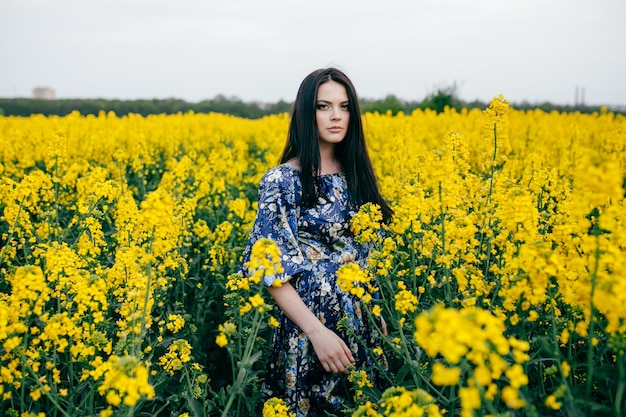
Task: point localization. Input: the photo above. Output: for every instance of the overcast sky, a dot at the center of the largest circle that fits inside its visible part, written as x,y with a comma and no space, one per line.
528,50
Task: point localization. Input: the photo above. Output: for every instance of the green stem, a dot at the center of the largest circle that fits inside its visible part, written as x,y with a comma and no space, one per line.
592,309
57,222
557,355
237,386
10,236
41,386
251,340
619,395
88,398
90,212
489,196
144,313
442,216
409,359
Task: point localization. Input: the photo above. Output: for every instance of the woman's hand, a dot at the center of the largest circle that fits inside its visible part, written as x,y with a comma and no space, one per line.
383,325
331,350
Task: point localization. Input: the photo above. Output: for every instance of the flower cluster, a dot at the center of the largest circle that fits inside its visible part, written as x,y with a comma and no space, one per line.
473,336
178,353
366,223
226,330
125,379
276,407
400,402
264,264
354,280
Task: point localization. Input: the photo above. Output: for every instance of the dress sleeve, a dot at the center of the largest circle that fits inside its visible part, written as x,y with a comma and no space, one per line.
277,219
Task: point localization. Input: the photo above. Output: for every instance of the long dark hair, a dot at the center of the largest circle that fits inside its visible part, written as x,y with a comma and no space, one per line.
351,152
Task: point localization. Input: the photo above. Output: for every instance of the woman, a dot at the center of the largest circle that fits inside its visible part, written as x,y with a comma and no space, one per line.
305,206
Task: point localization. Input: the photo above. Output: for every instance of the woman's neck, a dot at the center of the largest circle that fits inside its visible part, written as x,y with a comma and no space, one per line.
328,163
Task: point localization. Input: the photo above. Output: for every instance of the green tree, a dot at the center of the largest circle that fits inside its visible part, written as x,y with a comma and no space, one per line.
389,103
446,96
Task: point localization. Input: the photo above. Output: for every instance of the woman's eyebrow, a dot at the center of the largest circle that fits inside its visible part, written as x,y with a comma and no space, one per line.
328,101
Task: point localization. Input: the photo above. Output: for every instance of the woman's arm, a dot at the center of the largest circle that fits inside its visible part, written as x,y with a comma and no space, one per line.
330,349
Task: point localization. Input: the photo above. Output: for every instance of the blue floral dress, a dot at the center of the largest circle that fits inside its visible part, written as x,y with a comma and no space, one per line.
314,242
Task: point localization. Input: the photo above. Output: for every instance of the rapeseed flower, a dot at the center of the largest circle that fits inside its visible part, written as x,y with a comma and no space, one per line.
125,381
445,376
276,407
226,330
398,401
366,223
178,353
356,281
264,263
175,323
405,300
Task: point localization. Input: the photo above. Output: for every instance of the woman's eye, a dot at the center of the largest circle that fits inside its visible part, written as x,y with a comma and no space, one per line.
345,106
321,106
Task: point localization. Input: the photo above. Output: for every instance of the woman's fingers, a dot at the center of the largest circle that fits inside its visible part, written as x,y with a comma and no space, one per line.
332,352
383,325
341,359
348,354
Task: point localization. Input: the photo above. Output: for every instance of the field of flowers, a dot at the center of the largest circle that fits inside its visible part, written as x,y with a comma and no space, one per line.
502,276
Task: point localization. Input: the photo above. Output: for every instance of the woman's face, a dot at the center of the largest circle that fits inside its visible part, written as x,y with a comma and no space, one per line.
332,112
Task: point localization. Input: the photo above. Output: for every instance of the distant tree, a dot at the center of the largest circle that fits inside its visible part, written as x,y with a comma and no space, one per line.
280,107
442,97
446,96
390,103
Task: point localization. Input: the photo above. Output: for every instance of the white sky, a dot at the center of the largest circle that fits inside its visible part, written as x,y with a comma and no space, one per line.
533,50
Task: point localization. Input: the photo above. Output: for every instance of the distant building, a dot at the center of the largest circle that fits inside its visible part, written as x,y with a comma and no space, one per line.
45,93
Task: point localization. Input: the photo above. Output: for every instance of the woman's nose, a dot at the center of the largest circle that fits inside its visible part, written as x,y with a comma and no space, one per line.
336,114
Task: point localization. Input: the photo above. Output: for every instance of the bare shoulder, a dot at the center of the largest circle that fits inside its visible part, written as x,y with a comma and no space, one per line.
293,163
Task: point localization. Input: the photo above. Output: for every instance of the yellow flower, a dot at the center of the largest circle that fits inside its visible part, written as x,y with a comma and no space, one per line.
516,375
107,412
227,328
276,407
360,379
221,340
245,308
257,302
470,400
552,402
354,280
367,410
400,401
366,222
264,261
445,376
511,397
125,380
406,301
176,323
273,322
178,353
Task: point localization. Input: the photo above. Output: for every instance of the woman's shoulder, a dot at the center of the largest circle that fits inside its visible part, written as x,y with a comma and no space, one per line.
283,174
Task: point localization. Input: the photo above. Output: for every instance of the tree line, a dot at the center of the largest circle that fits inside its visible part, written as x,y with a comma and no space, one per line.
437,101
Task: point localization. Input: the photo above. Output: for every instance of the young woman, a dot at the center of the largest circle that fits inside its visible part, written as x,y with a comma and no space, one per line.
305,206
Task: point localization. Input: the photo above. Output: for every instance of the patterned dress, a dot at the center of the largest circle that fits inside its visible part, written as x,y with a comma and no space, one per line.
314,242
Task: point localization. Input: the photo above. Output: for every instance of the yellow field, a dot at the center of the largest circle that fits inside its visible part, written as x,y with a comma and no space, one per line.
502,275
